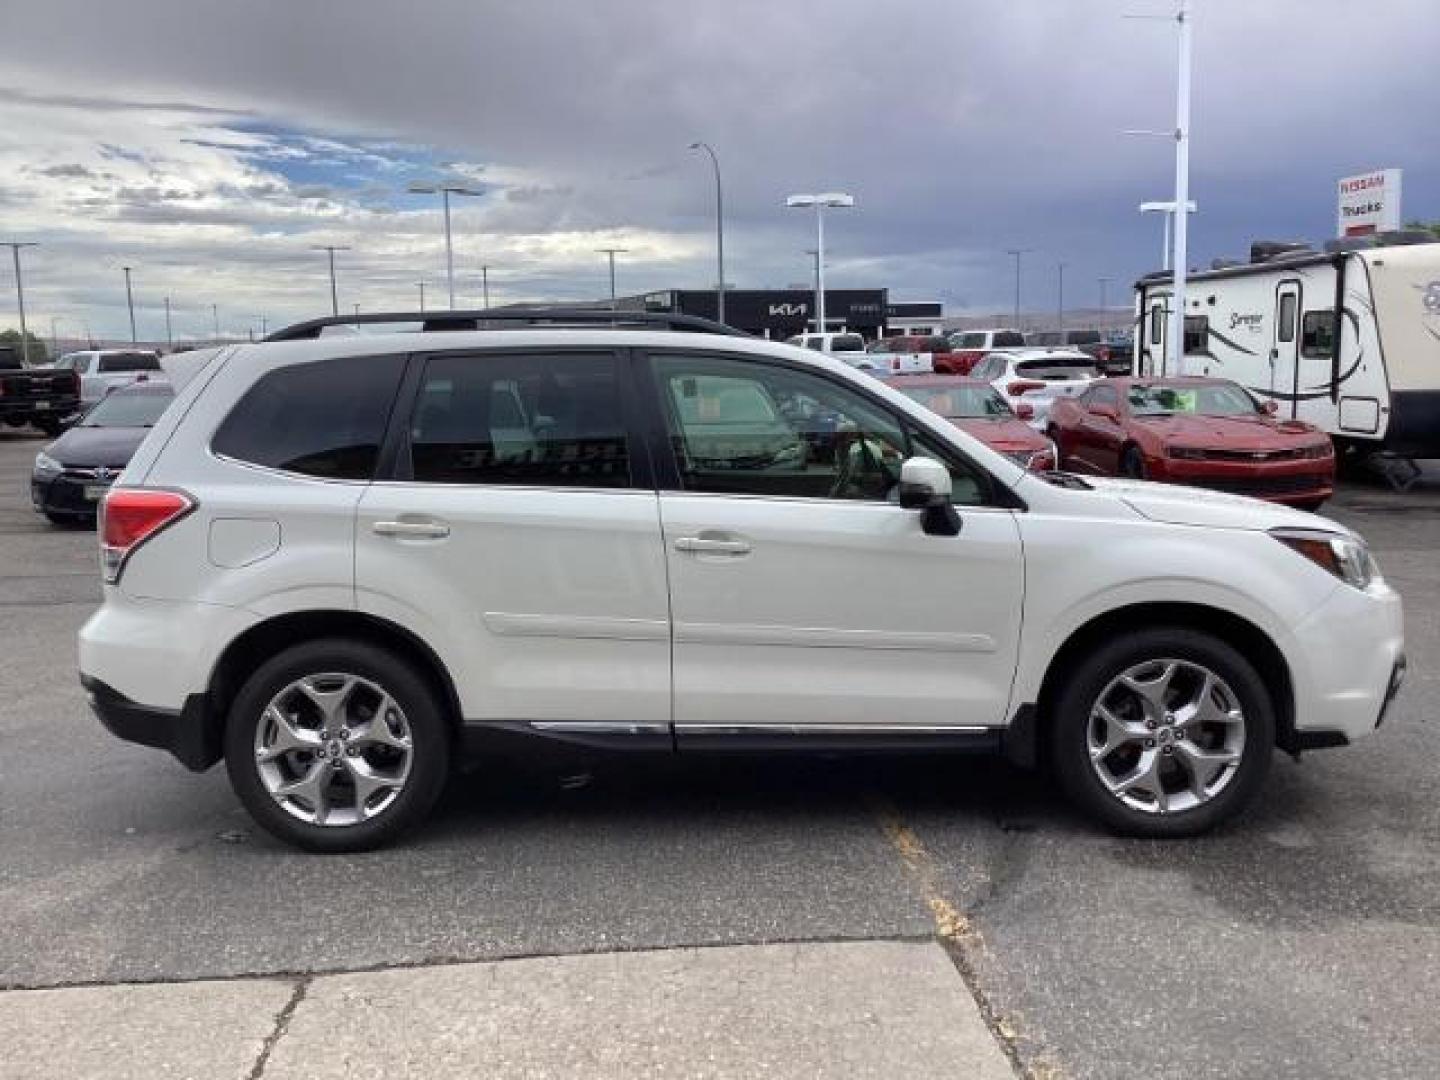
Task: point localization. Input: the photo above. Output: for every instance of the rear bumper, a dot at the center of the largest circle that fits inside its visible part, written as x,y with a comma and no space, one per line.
184,732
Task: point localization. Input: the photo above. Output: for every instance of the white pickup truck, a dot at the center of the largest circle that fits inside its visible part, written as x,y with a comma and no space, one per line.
103,370
850,348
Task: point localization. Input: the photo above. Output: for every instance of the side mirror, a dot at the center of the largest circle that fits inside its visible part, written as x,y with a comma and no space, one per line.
925,486
1269,407
1024,410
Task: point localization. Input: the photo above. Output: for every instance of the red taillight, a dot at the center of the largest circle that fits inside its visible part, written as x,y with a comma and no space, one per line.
130,516
1021,386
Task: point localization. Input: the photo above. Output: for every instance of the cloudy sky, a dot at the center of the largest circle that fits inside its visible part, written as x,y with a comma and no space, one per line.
209,144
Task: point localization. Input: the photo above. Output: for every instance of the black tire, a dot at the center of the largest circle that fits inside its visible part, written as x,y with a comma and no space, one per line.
49,427
1132,463
429,732
1088,679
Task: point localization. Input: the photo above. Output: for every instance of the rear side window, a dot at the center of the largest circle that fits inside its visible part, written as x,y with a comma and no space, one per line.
543,421
120,362
1083,337
325,419
1008,339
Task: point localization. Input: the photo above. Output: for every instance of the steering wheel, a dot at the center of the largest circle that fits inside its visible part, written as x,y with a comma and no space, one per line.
845,470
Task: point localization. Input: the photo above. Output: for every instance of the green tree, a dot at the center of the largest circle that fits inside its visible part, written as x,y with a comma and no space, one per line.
35,350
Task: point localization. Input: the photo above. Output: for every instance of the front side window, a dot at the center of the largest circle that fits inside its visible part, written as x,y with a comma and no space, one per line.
1105,395
543,421
324,419
1200,399
1317,333
749,428
1008,339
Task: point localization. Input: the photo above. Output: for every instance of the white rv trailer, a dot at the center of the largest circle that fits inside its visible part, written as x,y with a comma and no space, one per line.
1271,326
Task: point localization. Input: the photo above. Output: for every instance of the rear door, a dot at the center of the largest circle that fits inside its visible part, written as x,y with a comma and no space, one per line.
1285,350
804,598
519,533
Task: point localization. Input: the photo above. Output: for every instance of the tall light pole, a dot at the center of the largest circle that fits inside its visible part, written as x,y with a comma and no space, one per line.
485,285
1015,254
215,314
1060,297
815,271
15,246
611,252
445,191
1168,209
422,294
54,338
169,334
330,250
1177,221
130,302
719,231
820,202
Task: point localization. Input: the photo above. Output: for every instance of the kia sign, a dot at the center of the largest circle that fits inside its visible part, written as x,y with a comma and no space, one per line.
1369,203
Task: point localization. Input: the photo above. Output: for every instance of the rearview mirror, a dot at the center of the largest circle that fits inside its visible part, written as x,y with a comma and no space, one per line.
925,486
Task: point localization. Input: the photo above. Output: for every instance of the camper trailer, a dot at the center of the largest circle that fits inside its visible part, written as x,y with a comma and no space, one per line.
1347,338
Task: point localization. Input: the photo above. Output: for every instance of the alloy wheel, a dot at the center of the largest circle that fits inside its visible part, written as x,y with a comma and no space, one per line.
1166,736
333,749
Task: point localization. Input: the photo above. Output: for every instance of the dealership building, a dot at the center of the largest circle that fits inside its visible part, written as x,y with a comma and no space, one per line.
782,313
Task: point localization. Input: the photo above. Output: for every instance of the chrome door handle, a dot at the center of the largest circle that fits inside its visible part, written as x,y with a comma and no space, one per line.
432,530
700,545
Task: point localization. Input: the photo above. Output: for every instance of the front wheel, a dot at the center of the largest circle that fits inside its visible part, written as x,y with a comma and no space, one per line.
1132,463
337,745
1163,732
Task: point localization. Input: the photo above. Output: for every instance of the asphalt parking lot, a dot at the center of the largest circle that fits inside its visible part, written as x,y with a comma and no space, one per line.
1302,942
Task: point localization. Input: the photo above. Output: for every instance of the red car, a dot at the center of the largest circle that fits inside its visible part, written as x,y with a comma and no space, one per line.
975,407
1209,433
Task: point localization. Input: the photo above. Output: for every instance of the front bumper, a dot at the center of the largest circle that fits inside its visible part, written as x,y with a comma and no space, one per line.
1347,663
67,495
1301,480
185,732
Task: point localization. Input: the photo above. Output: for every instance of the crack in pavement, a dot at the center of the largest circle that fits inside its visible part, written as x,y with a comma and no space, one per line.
282,1023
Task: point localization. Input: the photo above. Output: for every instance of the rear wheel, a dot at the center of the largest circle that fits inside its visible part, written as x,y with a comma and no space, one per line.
337,745
49,427
1164,732
1132,463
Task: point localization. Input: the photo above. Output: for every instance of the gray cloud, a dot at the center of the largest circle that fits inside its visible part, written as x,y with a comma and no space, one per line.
963,127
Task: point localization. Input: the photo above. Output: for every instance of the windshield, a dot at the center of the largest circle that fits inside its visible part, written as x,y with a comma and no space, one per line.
127,410
1207,399
136,361
1057,368
960,402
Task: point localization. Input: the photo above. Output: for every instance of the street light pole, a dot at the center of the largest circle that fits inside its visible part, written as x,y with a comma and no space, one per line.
719,231
130,302
820,202
330,250
54,338
169,335
485,285
612,252
1015,253
15,246
1180,218
445,191
215,314
1060,297
422,294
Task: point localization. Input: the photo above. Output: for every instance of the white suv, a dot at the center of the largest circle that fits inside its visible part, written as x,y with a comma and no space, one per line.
337,561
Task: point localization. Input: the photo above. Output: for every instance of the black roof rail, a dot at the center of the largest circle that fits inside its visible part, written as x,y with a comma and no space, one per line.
512,318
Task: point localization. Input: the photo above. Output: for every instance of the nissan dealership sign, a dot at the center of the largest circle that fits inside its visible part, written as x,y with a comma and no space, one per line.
1369,203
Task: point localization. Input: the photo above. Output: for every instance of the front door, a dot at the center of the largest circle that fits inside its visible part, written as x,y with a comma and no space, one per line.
1285,350
802,595
520,537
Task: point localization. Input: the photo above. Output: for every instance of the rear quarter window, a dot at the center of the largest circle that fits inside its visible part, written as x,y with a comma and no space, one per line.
324,419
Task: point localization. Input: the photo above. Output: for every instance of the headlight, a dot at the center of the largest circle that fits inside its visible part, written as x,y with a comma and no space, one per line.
45,465
1344,556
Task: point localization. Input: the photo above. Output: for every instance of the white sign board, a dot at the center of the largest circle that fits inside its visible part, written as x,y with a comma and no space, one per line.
1369,203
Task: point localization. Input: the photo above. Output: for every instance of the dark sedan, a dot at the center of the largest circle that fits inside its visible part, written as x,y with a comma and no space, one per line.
73,473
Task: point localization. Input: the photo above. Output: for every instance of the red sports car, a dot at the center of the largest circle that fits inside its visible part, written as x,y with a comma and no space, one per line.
1209,433
975,407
